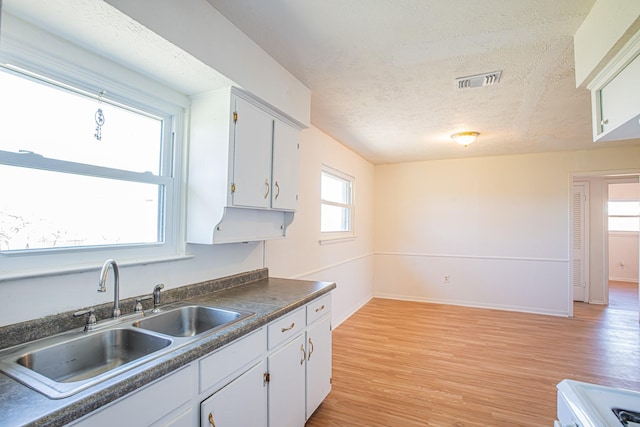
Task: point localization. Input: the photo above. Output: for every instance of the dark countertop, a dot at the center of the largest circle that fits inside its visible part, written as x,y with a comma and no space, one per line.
269,298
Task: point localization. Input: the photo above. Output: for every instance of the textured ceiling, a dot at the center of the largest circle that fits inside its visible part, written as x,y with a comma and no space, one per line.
382,72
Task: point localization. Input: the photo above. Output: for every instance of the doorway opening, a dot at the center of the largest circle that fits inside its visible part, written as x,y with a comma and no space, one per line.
607,266
623,215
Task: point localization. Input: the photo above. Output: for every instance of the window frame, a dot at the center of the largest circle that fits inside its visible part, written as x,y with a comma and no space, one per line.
34,56
328,237
609,216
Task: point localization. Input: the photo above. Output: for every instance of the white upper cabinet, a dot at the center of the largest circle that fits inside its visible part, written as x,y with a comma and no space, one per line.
607,49
243,169
616,104
253,139
285,166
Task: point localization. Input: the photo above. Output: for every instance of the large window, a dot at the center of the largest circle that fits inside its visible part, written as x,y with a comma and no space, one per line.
86,175
82,171
336,216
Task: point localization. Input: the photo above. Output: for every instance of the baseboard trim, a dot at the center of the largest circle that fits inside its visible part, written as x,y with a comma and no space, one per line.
353,310
623,279
519,309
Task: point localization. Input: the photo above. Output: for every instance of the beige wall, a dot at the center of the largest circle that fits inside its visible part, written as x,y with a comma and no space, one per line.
498,226
300,255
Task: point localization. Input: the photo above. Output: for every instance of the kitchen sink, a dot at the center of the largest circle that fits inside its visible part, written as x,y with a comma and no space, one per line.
191,320
91,355
62,366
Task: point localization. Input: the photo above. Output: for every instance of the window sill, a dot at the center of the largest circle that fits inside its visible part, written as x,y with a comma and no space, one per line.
47,272
336,240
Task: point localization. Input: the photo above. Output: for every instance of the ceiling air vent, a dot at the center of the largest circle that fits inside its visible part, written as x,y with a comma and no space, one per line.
486,79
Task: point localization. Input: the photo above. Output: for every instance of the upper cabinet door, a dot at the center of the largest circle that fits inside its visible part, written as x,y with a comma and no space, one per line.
285,167
620,104
253,133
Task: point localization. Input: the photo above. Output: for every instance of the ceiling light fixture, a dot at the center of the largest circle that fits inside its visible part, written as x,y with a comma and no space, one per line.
465,138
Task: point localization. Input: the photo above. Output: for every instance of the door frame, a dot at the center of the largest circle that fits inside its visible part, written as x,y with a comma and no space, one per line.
606,177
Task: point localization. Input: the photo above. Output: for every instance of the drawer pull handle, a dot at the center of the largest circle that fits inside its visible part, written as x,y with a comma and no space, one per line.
289,328
311,347
320,308
211,420
304,354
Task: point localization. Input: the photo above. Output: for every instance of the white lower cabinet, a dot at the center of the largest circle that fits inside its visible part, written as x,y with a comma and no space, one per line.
287,384
318,364
243,402
299,364
165,402
276,376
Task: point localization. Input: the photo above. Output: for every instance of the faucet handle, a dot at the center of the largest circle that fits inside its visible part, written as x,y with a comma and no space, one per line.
156,297
91,318
138,307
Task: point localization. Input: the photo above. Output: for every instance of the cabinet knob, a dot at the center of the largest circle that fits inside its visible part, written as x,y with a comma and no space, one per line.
304,354
604,122
277,190
211,420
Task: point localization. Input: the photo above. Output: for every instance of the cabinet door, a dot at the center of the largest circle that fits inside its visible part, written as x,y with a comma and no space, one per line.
285,166
253,134
318,363
287,385
620,98
240,403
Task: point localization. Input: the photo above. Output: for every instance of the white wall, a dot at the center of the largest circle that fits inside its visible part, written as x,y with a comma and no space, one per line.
623,257
499,226
608,26
202,31
199,29
301,255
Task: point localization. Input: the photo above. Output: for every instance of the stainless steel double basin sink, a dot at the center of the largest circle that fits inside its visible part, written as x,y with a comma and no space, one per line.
65,364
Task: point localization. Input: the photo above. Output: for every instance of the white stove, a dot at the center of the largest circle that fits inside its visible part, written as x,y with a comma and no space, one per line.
590,405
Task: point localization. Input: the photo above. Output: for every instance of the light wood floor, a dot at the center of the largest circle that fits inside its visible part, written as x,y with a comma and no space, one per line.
416,364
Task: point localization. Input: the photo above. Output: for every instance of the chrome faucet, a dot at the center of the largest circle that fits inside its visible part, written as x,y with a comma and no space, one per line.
156,297
116,285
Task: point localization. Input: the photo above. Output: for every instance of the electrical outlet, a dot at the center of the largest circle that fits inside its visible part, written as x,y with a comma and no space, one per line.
446,279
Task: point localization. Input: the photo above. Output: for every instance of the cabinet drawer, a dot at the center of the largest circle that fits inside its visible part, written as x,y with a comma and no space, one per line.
224,363
318,308
286,327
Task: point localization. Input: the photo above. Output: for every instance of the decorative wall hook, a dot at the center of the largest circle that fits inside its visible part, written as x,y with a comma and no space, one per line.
99,117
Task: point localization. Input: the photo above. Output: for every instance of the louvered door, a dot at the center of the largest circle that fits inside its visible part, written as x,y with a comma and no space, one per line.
580,241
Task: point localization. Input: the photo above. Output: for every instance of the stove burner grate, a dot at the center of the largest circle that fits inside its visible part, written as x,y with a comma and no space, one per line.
627,418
